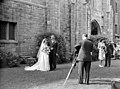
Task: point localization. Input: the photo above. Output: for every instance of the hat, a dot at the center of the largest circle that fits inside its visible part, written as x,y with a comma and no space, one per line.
112,42
52,36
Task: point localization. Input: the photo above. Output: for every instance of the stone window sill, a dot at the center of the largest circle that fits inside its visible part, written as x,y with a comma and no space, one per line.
8,41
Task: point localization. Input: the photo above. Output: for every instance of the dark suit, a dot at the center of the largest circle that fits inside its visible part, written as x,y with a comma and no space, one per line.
52,55
108,55
85,59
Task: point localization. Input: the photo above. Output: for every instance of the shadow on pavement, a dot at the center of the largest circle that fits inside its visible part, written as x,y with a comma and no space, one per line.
103,81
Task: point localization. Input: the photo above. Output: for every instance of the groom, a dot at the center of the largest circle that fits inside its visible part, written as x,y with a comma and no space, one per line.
53,52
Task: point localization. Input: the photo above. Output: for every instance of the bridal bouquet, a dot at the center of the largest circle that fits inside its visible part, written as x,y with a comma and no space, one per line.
47,50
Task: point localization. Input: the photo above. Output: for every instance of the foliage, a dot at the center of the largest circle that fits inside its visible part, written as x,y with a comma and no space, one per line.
12,60
27,60
30,61
61,45
23,60
96,38
7,59
3,57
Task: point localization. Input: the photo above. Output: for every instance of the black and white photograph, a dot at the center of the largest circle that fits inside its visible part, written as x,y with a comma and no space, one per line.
59,44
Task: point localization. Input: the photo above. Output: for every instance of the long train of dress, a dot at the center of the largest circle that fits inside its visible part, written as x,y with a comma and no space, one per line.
43,60
42,64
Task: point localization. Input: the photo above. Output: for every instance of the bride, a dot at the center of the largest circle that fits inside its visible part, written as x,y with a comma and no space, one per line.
43,58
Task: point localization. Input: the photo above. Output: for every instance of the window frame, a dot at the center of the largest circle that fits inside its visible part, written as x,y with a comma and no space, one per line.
116,28
7,40
116,7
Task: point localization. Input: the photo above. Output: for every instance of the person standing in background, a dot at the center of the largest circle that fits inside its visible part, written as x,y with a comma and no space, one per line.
102,52
109,52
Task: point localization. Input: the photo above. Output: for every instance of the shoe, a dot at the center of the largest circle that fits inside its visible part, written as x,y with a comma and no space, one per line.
80,82
87,83
51,69
101,66
105,66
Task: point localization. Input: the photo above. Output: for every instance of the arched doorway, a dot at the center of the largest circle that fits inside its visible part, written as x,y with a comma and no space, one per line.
95,28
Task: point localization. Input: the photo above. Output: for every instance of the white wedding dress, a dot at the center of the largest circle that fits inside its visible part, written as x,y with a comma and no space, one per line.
43,60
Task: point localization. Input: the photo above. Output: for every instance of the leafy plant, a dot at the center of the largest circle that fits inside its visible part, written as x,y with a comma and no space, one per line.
61,45
30,61
3,56
12,60
7,59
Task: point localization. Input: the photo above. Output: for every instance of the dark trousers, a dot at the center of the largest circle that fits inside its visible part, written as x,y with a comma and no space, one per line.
108,60
52,61
84,66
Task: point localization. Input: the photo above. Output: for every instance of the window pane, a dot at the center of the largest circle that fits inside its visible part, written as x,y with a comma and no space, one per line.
12,31
116,29
3,26
116,8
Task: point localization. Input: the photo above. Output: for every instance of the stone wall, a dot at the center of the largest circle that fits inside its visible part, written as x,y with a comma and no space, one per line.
34,17
103,13
58,17
65,23
118,17
99,11
73,25
30,18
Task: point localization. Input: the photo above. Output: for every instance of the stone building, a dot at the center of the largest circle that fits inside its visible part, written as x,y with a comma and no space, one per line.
22,20
116,23
94,17
118,11
117,17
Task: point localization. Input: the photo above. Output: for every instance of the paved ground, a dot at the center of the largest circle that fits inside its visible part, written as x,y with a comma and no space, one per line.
17,78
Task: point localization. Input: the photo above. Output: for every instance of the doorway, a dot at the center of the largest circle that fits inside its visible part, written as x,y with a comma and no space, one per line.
95,28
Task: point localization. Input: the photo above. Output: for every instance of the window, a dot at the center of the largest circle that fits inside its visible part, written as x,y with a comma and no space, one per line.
115,29
7,30
116,7
93,3
3,27
12,31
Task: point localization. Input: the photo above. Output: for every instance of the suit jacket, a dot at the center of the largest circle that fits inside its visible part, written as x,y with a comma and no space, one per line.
109,49
85,51
54,47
